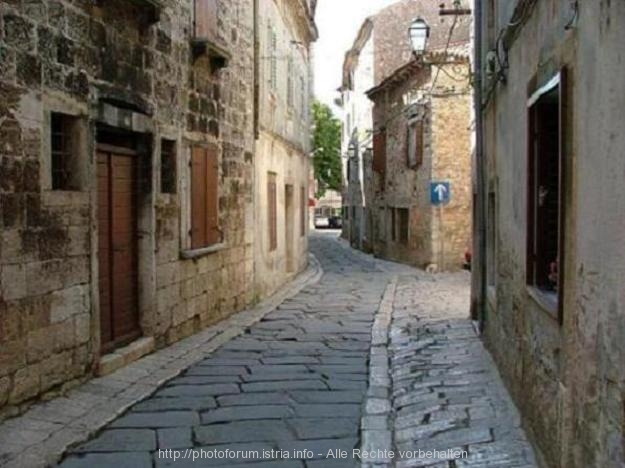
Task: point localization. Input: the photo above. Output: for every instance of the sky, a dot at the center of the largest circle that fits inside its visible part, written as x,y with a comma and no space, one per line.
338,22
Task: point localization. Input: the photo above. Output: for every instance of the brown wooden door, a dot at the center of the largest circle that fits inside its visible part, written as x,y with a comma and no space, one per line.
117,249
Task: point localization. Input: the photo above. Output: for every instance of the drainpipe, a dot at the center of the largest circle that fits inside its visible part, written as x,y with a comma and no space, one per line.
480,218
256,71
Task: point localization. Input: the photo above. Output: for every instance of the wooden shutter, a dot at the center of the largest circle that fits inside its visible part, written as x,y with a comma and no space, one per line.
204,198
206,19
414,146
273,212
418,143
213,235
379,151
198,198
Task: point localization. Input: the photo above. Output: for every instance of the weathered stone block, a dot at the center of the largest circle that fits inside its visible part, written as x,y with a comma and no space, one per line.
82,328
19,32
13,282
66,303
5,388
25,384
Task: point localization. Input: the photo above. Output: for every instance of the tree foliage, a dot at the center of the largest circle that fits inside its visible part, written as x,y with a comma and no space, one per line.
327,149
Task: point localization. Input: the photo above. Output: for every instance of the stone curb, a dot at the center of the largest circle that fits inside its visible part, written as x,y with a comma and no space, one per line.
376,433
41,436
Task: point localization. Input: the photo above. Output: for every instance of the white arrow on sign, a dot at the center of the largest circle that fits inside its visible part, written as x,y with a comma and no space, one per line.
440,190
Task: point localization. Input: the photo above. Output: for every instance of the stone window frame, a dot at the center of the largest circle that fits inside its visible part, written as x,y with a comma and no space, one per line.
550,301
82,143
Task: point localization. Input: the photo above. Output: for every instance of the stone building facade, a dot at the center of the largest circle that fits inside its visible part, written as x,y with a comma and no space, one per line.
422,146
554,309
127,204
286,31
356,133
380,49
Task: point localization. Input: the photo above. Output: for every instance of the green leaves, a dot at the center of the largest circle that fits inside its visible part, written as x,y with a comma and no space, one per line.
326,149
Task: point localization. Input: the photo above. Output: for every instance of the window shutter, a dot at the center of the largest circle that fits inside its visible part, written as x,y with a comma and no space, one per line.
272,208
198,198
206,19
414,146
213,235
379,151
419,143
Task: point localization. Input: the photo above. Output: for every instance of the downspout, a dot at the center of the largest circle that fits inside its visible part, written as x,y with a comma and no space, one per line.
480,218
256,71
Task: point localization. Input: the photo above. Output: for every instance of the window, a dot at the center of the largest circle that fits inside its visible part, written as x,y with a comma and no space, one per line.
290,87
272,205
65,151
272,45
168,166
415,144
379,151
393,225
403,219
303,107
491,236
204,198
206,19
545,225
303,203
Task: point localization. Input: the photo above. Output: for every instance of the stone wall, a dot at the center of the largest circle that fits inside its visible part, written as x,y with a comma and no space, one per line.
568,379
437,235
391,41
110,63
283,146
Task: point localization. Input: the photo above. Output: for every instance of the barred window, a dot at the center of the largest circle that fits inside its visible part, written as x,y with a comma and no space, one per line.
64,149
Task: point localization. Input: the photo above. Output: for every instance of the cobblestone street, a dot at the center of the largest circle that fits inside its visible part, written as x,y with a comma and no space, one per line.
308,378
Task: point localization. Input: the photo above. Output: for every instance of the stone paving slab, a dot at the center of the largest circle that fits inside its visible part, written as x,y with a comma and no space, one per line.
294,381
373,356
446,391
40,436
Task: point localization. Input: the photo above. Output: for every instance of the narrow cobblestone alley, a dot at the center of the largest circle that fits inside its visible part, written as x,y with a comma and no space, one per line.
303,379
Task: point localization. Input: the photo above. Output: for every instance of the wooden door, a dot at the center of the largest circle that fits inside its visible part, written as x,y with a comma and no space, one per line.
289,228
117,249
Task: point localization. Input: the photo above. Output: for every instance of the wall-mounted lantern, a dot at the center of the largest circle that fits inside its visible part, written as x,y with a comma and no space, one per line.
419,32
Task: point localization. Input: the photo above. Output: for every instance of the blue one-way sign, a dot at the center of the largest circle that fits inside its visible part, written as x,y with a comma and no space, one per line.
440,193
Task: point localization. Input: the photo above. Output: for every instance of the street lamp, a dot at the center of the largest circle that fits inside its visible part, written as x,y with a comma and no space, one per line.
351,151
418,32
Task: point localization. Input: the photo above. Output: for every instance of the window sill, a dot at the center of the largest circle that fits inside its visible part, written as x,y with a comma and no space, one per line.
197,253
547,301
218,56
